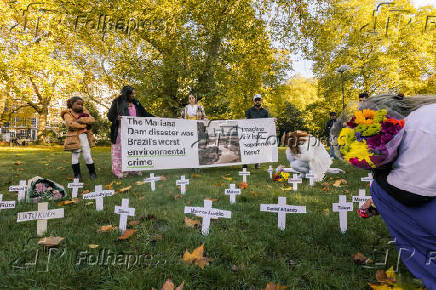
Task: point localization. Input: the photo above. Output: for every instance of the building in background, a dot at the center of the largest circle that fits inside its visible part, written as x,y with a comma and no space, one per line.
20,123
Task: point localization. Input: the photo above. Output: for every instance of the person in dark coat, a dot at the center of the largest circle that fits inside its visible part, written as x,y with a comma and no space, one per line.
124,105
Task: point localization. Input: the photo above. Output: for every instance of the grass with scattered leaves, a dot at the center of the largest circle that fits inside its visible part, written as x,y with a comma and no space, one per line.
245,251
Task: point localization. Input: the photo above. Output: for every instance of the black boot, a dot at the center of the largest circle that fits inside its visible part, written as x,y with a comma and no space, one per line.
76,170
91,168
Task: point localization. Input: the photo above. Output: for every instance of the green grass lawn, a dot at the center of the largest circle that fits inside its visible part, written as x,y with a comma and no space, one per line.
248,250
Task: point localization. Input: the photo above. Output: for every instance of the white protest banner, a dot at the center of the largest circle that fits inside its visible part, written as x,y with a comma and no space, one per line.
98,195
343,207
124,211
182,182
233,192
22,188
361,198
164,143
207,213
41,216
75,185
6,204
282,209
158,143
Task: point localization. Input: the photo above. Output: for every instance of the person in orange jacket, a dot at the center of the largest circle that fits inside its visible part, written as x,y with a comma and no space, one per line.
79,135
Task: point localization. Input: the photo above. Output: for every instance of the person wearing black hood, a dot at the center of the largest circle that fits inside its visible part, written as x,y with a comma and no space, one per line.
124,105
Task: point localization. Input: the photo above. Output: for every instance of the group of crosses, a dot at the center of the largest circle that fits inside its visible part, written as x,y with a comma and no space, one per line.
207,212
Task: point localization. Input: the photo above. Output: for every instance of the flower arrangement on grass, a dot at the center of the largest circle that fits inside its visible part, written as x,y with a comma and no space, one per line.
370,139
280,175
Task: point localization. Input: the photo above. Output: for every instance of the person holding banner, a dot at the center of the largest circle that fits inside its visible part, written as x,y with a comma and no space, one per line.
193,111
124,105
256,112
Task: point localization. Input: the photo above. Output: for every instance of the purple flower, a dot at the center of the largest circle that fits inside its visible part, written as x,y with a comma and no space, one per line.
374,141
40,187
359,136
390,128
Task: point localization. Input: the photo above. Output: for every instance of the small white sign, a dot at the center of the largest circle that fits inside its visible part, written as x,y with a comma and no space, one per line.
6,204
281,208
362,198
270,171
124,211
311,176
244,174
182,182
233,192
369,178
75,185
22,188
98,195
207,213
295,180
343,207
152,180
41,216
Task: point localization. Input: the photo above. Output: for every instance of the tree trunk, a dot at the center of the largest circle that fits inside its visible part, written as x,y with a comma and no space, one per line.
42,125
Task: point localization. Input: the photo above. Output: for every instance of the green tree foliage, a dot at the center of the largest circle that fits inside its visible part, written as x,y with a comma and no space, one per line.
290,119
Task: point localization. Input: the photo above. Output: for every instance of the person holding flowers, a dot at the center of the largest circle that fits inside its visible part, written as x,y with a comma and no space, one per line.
395,137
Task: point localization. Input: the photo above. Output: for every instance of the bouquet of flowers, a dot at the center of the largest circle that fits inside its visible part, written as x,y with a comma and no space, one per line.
44,189
280,175
371,139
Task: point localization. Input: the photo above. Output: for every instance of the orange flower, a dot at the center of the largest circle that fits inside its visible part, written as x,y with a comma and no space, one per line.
365,117
396,122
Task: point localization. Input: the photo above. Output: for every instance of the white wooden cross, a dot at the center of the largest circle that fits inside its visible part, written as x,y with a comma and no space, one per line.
282,209
41,216
361,198
22,188
311,176
244,174
270,171
369,178
98,195
124,211
152,179
232,191
182,182
295,180
290,170
343,207
6,204
75,185
207,213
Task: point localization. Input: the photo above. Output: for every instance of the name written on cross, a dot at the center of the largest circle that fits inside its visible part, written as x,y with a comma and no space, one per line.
35,215
213,213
